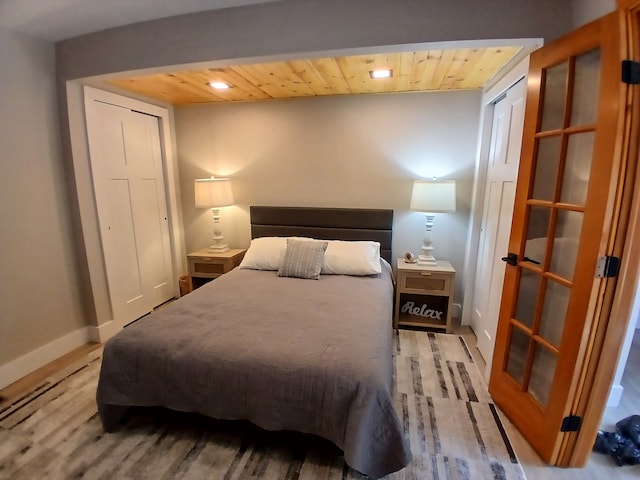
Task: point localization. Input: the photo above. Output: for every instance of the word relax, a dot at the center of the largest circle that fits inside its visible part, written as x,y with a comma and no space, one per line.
422,311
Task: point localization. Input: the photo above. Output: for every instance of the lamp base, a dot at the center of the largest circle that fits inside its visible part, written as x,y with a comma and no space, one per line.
427,260
219,248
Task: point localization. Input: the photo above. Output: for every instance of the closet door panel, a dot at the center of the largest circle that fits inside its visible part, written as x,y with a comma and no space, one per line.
142,145
126,164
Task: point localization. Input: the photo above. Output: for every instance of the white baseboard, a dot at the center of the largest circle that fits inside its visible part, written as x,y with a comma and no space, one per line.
615,395
103,332
26,364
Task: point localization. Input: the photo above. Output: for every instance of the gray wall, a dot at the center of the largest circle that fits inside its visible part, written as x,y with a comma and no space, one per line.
584,11
295,26
290,28
353,151
39,289
43,297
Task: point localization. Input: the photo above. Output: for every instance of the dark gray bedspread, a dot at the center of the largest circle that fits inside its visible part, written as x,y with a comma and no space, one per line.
312,356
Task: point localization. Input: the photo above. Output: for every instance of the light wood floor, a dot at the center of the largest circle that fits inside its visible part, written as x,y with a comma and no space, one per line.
18,389
600,466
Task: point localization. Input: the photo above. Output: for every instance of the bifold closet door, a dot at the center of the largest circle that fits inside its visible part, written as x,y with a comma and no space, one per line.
126,164
500,191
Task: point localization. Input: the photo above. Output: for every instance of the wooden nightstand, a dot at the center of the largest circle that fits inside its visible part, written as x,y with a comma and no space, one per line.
424,295
205,265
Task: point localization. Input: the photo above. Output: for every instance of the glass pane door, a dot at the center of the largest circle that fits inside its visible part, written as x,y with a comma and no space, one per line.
555,210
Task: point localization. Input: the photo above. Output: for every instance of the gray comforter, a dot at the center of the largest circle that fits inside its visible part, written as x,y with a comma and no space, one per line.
312,356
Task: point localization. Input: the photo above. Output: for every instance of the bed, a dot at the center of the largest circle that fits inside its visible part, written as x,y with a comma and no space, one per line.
284,351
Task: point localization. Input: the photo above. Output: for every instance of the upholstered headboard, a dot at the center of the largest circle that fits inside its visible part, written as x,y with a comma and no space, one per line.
325,224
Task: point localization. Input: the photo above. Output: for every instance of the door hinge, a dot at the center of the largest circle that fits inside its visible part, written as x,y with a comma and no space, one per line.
607,267
631,72
571,423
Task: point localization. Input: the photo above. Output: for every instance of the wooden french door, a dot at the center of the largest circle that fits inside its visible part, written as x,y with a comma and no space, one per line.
565,209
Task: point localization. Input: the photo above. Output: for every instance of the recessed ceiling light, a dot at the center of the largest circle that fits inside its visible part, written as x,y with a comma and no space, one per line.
381,73
219,85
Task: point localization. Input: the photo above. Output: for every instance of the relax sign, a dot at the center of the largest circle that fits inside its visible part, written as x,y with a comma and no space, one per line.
421,310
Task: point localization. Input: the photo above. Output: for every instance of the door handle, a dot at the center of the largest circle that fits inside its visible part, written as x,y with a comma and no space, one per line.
511,259
527,259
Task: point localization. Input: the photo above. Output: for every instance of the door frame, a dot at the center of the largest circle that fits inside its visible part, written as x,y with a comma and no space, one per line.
100,315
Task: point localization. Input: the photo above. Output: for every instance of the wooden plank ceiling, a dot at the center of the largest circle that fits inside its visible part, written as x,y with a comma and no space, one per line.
432,70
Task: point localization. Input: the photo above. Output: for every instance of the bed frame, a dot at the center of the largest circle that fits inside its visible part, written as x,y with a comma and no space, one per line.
325,224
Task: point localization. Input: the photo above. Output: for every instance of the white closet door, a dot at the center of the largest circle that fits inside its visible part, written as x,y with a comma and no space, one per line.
126,163
502,173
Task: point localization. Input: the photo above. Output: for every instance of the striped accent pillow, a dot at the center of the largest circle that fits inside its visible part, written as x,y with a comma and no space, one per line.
303,259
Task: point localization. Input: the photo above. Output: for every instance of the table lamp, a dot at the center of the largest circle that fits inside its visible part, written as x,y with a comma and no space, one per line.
432,197
214,193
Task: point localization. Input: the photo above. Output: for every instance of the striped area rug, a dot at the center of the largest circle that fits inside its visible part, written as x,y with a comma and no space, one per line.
451,424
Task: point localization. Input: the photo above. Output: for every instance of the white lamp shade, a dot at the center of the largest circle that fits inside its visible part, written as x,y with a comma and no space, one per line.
213,192
433,197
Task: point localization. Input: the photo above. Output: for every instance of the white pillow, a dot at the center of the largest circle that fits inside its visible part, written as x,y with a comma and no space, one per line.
341,257
352,258
265,253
